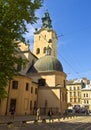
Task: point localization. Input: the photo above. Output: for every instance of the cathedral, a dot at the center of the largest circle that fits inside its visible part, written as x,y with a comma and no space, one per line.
41,82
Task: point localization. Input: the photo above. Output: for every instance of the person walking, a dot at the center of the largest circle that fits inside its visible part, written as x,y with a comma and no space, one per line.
50,113
38,114
12,111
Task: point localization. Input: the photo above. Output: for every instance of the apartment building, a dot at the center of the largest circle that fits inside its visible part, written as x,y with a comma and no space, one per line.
78,93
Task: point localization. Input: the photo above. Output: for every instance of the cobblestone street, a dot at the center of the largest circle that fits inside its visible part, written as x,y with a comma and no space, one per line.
74,123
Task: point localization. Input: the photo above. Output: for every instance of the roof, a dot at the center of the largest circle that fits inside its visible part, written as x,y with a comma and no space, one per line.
48,63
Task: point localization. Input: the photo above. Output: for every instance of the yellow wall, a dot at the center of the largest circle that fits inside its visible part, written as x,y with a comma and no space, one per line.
86,98
22,97
41,39
54,98
71,96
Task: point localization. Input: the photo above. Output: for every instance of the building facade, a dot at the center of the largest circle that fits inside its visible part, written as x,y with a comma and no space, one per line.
41,81
78,93
86,97
49,71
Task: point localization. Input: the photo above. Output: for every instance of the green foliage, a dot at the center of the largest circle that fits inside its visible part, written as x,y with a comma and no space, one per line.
14,14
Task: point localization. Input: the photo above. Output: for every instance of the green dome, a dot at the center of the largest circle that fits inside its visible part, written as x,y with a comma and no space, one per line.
48,63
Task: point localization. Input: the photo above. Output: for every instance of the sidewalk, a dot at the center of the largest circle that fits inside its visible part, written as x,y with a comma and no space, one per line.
19,122
28,118
7,119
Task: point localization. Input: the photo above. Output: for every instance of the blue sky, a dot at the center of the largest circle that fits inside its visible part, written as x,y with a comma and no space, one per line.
71,19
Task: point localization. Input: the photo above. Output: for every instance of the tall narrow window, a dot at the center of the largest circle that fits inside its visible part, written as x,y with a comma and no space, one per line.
14,84
31,89
74,99
87,101
27,86
86,94
70,94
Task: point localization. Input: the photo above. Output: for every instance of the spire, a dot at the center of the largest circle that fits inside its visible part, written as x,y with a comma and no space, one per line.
46,21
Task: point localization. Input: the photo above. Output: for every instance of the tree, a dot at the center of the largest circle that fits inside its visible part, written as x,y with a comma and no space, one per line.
14,15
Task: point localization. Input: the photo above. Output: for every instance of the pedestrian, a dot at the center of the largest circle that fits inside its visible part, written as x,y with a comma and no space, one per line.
38,114
12,111
50,113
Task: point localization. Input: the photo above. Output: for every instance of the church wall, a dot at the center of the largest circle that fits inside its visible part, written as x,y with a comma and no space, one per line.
60,79
50,79
48,99
52,98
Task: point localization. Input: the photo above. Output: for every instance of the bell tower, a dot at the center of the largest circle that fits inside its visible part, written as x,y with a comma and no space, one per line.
45,37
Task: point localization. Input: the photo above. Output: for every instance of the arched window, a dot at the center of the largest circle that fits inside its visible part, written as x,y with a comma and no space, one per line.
50,41
37,51
44,50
